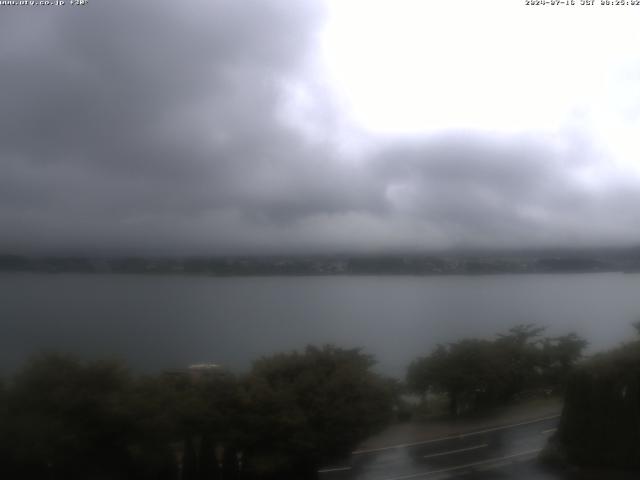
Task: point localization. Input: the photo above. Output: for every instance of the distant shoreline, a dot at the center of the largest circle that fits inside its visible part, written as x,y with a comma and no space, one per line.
572,262
311,275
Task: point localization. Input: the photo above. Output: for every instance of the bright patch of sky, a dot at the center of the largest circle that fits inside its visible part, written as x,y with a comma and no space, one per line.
409,67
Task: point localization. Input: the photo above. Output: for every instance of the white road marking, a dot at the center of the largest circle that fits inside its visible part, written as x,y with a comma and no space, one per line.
337,469
468,465
451,452
550,430
453,437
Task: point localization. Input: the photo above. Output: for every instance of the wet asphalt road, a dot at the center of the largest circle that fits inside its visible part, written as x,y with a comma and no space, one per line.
508,452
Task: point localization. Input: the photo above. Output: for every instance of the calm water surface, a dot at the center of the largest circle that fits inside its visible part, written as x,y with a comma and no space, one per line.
155,322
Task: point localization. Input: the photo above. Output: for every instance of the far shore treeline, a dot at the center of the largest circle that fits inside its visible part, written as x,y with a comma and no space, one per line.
66,418
435,263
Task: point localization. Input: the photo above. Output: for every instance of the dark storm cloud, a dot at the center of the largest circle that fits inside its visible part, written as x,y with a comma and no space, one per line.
147,111
158,126
523,190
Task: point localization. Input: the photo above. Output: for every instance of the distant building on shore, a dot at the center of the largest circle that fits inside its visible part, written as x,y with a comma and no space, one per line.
197,371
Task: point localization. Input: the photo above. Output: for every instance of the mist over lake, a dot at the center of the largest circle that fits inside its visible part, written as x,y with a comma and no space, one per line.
157,322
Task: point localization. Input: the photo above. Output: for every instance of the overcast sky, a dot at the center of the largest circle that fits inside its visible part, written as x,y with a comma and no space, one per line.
214,126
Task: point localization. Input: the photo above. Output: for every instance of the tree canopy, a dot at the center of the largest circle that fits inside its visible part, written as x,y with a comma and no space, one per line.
600,423
477,373
64,418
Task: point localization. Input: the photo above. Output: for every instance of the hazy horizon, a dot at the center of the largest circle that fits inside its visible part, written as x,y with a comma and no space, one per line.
112,253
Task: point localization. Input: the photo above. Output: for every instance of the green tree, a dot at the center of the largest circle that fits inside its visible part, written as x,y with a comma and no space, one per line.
181,418
4,420
69,419
476,374
560,354
520,358
469,372
311,407
600,423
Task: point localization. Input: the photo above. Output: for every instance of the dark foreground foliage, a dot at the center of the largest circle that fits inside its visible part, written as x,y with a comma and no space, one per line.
476,374
67,419
600,424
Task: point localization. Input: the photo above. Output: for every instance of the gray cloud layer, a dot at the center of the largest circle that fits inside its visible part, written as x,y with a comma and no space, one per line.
153,126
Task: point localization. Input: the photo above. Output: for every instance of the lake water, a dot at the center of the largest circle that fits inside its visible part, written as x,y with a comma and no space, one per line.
156,322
